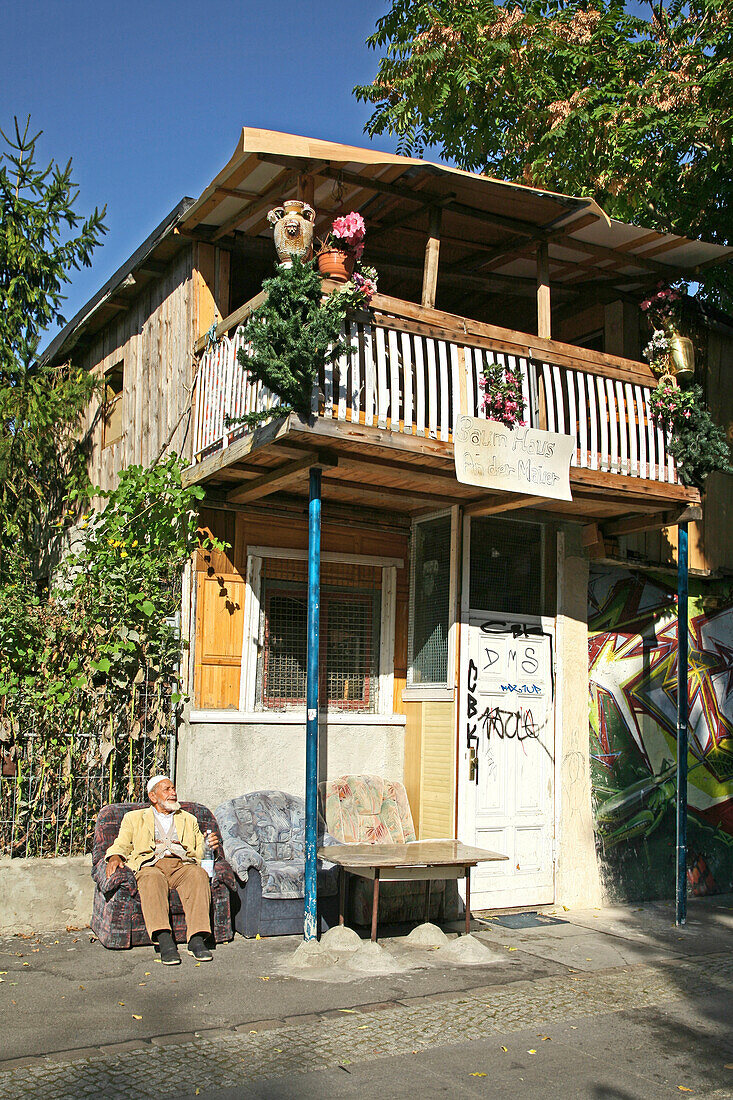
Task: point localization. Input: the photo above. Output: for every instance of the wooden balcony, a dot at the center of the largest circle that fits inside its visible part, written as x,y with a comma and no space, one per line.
383,416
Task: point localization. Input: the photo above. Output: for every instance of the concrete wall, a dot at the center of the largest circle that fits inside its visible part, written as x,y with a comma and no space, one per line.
577,881
224,758
43,895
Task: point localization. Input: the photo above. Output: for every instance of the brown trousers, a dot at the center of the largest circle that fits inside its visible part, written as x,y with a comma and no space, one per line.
154,884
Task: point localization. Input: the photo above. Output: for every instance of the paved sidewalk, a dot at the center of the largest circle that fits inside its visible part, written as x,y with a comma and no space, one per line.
613,1004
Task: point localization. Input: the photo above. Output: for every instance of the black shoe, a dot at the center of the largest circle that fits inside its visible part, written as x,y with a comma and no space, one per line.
198,949
168,951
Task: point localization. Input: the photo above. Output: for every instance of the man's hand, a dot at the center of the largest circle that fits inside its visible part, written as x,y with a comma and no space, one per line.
113,863
212,840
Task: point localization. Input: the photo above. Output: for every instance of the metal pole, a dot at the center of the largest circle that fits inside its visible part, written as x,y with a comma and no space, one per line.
682,705
310,921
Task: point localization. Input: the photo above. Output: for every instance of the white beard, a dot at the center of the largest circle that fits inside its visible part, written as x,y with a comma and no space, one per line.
170,807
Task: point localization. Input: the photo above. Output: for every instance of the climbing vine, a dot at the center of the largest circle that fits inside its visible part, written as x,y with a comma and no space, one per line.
88,671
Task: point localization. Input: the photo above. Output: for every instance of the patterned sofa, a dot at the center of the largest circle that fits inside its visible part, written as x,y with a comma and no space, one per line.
117,917
366,809
264,841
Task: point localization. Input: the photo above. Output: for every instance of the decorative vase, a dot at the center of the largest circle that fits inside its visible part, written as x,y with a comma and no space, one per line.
293,230
336,264
681,357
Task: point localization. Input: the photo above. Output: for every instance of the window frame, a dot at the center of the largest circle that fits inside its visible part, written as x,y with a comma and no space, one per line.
251,642
446,689
113,406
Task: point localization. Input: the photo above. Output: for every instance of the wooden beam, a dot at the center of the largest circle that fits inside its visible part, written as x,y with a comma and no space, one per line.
416,496
306,188
495,505
235,177
282,181
544,318
233,320
227,456
507,284
355,179
279,478
633,525
432,252
489,254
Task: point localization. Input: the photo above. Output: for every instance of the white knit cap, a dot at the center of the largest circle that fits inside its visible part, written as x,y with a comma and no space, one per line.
155,780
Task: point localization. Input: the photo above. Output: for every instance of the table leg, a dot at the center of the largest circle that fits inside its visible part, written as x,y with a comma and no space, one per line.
468,901
342,894
375,905
428,885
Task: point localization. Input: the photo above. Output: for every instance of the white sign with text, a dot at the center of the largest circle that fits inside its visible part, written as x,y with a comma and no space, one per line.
512,460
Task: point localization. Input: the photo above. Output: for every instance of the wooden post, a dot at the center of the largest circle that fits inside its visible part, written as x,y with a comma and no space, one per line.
432,251
306,189
544,323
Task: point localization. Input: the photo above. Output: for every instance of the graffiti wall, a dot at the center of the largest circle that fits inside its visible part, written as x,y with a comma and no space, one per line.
632,627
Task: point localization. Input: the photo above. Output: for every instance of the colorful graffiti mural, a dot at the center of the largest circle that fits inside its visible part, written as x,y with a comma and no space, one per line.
632,639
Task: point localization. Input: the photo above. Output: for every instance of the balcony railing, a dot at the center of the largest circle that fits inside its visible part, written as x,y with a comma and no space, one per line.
414,376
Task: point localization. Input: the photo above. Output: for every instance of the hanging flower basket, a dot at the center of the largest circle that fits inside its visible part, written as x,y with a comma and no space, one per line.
670,354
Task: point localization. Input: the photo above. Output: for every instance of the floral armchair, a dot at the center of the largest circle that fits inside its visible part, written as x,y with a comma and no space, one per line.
117,916
264,840
367,809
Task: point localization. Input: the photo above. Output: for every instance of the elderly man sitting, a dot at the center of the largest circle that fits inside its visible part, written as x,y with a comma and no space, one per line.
163,847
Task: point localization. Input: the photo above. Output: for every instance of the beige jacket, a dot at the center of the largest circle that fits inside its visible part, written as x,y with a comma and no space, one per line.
136,839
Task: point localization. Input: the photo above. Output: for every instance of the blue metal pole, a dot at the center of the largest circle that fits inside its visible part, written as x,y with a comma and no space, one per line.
682,715
310,921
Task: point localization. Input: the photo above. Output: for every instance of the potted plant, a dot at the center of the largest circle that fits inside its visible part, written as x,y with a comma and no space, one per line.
668,352
697,444
503,400
342,247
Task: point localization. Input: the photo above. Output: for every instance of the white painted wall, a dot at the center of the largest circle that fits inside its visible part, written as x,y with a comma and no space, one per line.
221,756
577,879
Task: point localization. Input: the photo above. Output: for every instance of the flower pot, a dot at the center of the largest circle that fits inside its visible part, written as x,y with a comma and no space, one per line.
336,264
681,357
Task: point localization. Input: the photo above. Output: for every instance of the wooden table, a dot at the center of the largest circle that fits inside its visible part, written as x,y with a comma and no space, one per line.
423,860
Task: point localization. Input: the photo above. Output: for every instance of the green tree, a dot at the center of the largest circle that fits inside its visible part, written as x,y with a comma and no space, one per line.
42,239
628,104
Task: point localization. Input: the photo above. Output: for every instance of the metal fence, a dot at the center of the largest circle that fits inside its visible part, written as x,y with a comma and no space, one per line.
50,794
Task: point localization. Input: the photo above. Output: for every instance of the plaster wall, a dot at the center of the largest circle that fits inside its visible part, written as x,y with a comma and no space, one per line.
43,895
218,760
577,882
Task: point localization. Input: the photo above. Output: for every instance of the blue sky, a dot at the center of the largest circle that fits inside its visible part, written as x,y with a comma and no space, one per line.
148,96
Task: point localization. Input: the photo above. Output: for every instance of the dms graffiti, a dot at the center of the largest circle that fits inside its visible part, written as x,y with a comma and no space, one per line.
633,725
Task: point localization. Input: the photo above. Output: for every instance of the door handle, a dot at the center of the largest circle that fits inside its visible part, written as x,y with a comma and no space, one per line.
472,765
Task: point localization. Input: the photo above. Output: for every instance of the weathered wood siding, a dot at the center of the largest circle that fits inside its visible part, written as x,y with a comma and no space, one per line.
219,591
154,340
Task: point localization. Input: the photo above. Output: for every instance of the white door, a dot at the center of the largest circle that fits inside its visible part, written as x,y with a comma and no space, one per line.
507,750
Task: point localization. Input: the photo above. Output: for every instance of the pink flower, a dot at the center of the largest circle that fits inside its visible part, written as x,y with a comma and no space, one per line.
350,229
686,414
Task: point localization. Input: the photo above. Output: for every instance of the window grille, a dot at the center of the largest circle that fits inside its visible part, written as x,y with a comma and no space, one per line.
349,636
506,566
430,601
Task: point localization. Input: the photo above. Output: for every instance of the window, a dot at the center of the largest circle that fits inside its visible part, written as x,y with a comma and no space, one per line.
114,384
349,636
506,566
430,597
